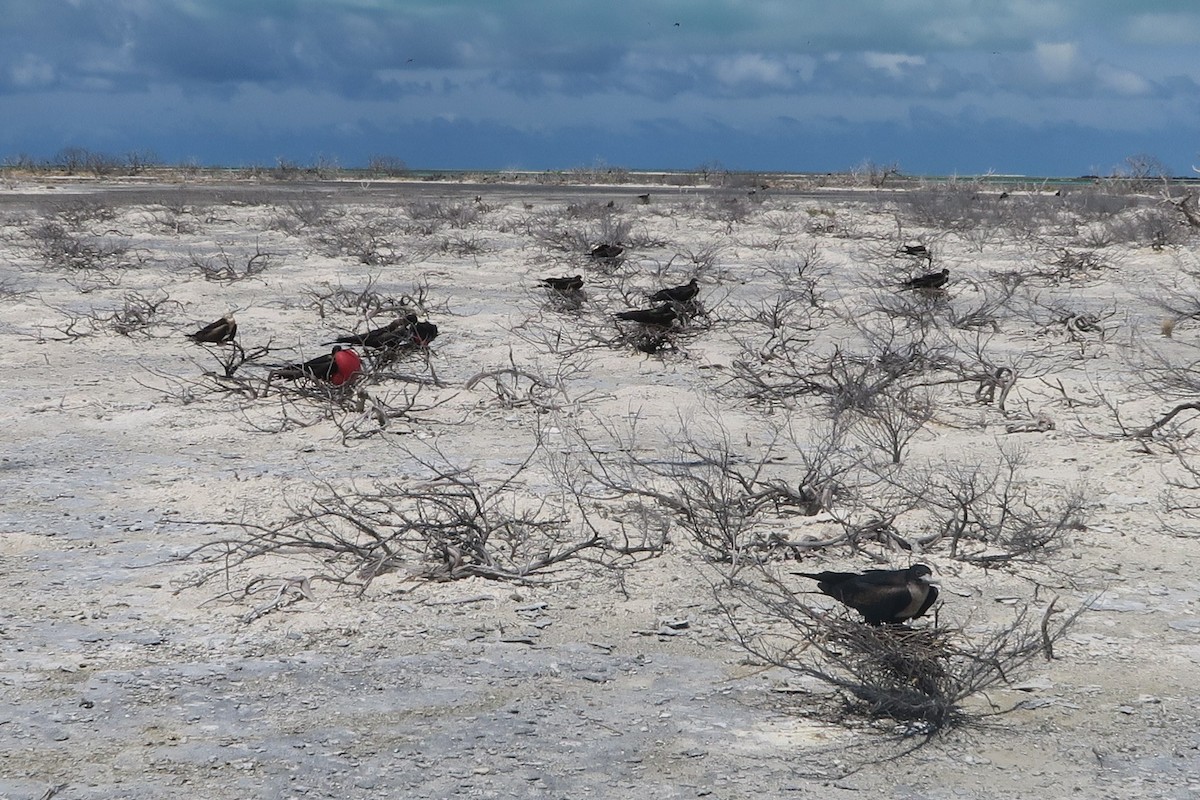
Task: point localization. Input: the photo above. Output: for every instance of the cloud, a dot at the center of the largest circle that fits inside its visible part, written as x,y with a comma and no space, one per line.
750,70
1058,61
331,70
1122,81
1178,28
29,71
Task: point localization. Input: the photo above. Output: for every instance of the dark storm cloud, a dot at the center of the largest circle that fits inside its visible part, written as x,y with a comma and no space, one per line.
692,71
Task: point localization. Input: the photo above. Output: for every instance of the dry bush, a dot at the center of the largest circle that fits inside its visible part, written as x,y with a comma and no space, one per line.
1096,204
984,308
959,208
175,221
10,291
368,302
430,216
731,208
229,378
1171,369
576,229
728,499
385,166
989,513
462,244
439,525
874,175
1079,326
518,386
78,214
780,325
546,332
73,252
592,329
1147,227
372,239
920,679
1052,264
305,211
227,267
892,419
138,313
1180,299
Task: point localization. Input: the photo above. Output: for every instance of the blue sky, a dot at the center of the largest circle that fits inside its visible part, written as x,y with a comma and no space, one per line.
1061,87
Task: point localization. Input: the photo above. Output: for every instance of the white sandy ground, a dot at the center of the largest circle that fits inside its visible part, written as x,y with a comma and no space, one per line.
117,682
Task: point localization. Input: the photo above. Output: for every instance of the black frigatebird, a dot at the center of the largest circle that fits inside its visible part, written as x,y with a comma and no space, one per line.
932,280
678,294
338,366
882,596
219,332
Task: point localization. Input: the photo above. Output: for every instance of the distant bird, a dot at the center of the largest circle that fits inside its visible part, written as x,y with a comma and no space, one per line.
567,284
915,250
882,596
219,332
339,366
678,294
660,316
379,337
932,280
607,251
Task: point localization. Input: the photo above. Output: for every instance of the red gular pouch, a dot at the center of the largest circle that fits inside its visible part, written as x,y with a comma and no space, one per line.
347,366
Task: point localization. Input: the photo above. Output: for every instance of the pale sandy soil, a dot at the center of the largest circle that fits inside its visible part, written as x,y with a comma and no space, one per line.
121,679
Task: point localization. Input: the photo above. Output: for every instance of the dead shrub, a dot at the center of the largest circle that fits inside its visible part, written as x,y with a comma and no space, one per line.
439,525
227,267
918,678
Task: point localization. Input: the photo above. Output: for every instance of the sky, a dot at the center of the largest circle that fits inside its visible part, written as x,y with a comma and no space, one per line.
933,87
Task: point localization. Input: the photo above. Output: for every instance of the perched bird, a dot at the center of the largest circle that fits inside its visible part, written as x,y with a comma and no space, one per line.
607,251
932,280
882,596
219,332
568,284
678,294
378,337
339,366
661,316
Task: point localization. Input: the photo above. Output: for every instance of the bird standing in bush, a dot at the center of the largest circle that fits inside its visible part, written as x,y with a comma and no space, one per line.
882,596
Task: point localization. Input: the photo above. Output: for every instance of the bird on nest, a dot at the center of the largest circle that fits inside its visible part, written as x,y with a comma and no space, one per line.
882,596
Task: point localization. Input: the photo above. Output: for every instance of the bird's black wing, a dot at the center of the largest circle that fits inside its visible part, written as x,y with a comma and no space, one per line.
878,603
885,577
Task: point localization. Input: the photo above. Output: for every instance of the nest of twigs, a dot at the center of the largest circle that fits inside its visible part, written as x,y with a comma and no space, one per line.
896,672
